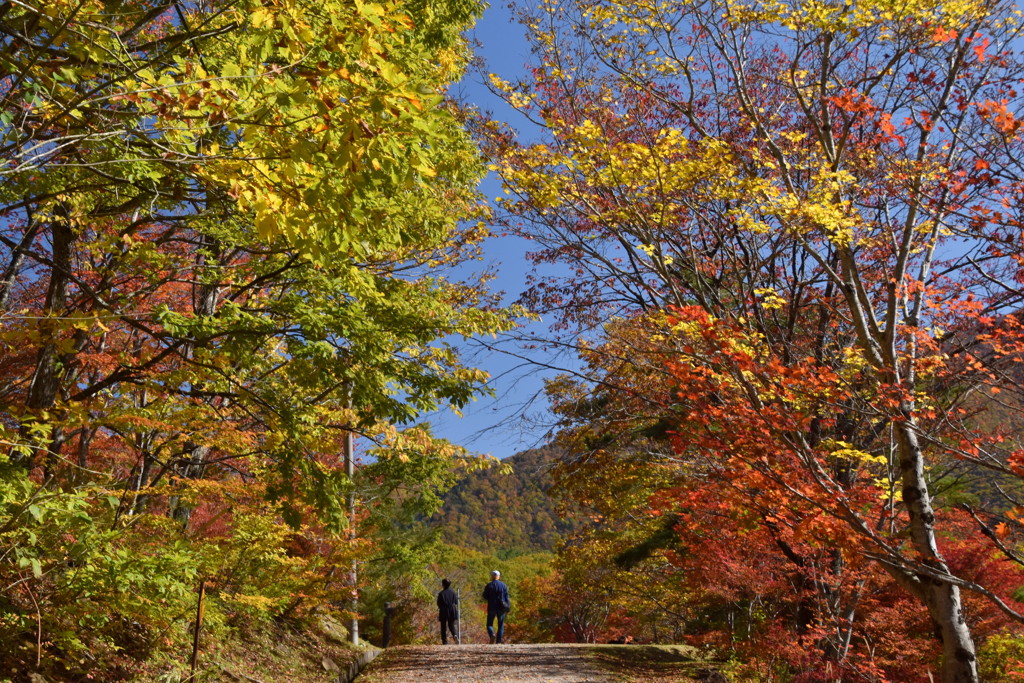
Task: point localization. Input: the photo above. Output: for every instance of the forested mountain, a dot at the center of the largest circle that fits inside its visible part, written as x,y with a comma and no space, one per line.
506,513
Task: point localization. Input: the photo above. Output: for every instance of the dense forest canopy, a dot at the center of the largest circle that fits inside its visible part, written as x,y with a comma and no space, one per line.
788,250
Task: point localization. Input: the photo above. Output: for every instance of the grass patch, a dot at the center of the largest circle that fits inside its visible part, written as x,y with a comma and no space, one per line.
313,651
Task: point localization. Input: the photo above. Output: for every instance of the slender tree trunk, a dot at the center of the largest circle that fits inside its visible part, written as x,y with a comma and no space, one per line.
140,482
348,447
204,305
943,599
194,461
143,442
42,391
84,443
845,630
14,265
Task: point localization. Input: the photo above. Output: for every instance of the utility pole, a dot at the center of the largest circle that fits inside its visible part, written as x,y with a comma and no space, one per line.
348,452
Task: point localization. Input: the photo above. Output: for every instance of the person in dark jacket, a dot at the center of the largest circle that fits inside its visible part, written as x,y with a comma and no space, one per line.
447,611
498,605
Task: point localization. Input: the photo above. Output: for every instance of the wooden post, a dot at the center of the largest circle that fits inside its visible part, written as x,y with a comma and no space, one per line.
199,625
458,613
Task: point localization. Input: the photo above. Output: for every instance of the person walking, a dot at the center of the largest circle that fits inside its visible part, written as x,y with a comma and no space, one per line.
498,605
447,611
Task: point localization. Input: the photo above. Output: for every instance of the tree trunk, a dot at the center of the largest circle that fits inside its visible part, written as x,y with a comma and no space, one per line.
14,265
943,600
42,391
192,467
140,482
204,304
348,454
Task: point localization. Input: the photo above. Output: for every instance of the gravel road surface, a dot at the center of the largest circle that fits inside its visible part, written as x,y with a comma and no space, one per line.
470,663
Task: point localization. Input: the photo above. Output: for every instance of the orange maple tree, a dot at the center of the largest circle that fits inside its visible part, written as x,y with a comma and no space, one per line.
794,249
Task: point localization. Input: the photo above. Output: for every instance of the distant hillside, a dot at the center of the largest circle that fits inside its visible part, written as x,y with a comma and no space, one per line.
505,513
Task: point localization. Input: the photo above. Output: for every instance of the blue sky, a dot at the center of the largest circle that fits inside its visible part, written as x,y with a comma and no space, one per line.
515,419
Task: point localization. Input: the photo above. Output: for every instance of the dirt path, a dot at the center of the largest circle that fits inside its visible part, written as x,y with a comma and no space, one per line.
462,663
540,664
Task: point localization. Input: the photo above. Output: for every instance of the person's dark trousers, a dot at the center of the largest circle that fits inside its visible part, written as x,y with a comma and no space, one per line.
448,626
491,616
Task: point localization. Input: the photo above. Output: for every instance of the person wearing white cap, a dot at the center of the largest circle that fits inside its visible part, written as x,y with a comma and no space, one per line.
498,605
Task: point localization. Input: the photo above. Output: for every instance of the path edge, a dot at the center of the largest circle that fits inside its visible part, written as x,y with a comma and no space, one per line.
357,665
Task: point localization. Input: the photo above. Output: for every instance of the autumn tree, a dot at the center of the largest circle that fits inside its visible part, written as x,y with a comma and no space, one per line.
228,229
808,209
